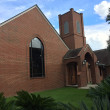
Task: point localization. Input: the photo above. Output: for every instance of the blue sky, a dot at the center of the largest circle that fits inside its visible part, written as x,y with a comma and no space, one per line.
94,13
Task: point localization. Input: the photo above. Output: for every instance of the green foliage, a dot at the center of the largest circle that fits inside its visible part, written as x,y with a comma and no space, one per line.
26,101
100,96
62,106
4,105
98,104
67,95
108,17
108,47
102,90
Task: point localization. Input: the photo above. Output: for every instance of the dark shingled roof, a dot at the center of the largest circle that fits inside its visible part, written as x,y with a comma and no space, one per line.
103,56
72,53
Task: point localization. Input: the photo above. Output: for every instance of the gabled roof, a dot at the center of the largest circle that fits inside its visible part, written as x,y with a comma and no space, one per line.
16,16
35,6
103,56
72,53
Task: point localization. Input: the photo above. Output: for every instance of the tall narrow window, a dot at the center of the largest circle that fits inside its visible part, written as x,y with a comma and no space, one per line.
78,26
66,27
36,58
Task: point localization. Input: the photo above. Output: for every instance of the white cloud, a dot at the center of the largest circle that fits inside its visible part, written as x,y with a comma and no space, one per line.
1,20
97,35
80,10
20,8
48,14
102,9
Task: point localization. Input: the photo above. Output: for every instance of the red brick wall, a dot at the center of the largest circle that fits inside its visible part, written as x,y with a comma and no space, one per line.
78,41
95,74
15,37
73,39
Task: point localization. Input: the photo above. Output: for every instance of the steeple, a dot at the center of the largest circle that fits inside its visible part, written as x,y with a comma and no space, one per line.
72,29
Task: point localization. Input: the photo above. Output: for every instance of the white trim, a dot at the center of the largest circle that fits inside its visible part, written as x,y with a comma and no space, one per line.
51,25
35,6
9,20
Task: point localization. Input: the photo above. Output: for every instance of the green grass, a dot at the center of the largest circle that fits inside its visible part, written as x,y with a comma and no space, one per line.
68,95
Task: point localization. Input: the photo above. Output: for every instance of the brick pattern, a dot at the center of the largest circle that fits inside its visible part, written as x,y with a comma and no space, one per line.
15,38
82,69
73,39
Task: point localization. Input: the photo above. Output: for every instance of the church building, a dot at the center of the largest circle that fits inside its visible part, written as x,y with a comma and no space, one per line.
34,57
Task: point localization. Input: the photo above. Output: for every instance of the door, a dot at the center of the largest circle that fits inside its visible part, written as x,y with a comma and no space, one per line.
72,74
89,80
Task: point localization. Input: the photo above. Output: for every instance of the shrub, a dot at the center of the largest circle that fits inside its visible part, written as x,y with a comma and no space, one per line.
26,101
4,105
100,96
102,90
98,104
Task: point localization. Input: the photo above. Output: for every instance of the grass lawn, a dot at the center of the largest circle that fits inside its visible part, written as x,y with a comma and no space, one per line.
67,95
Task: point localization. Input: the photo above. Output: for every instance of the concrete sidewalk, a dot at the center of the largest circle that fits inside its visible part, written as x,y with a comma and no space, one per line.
88,86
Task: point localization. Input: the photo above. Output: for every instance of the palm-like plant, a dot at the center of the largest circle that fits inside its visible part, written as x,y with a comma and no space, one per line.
4,105
98,104
100,96
62,106
102,90
26,101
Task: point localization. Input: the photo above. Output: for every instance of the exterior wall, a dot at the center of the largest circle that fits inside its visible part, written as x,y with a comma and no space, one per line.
68,62
95,74
15,37
82,69
69,41
77,39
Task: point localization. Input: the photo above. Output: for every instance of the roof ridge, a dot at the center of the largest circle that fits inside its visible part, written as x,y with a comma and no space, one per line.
17,15
12,18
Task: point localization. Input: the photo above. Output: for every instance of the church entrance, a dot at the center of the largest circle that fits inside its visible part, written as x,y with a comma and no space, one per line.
88,70
72,73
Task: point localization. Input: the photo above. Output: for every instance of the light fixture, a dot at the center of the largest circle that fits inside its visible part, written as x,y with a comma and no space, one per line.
97,62
84,62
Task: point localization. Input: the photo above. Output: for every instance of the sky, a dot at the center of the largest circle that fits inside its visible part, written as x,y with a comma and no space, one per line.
94,14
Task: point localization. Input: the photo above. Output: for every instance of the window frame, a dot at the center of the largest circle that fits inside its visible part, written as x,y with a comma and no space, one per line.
32,74
66,27
78,27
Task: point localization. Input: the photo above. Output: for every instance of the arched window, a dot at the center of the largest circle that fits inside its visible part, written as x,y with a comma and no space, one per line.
66,27
36,50
78,26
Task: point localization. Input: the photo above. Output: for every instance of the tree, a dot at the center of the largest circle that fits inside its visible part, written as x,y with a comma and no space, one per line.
108,42
108,20
108,17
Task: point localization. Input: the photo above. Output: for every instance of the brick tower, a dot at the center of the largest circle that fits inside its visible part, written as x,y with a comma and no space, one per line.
72,29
